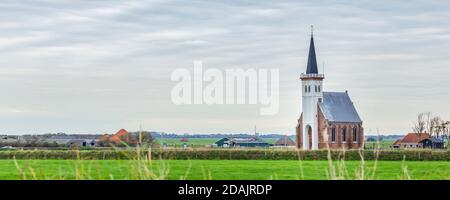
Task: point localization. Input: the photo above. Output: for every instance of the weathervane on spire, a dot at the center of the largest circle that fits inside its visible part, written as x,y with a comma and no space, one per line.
312,29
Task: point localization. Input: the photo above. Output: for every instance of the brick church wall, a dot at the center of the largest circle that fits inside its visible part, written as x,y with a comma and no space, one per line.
322,124
325,126
339,143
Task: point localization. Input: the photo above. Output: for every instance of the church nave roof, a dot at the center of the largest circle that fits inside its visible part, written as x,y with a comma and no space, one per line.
338,107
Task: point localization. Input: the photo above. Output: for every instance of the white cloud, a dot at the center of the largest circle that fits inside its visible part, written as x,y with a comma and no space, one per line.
113,59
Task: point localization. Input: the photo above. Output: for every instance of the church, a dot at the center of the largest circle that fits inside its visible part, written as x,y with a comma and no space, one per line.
329,119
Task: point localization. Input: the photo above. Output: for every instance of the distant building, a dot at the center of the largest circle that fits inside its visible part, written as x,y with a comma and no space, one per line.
285,141
242,142
9,139
71,140
418,140
432,143
121,136
81,143
328,119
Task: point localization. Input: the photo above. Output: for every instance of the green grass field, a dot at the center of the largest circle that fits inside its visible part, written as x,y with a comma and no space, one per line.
385,144
201,142
198,142
219,169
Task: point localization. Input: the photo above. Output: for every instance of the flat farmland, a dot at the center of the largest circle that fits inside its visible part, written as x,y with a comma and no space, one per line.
221,169
198,142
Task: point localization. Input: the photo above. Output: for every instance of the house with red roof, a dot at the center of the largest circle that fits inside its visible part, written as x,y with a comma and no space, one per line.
120,136
411,140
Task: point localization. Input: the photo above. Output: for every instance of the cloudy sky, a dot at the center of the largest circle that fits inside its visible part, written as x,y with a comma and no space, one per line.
97,66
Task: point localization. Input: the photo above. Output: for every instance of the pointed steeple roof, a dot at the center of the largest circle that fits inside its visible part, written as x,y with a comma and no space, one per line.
312,62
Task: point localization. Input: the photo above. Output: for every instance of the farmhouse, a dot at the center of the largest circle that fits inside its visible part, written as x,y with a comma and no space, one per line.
242,142
121,136
329,119
418,140
411,140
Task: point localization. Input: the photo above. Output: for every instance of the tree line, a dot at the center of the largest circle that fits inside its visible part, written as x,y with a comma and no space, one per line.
432,125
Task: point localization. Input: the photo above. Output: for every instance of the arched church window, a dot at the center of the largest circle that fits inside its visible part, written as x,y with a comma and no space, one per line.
315,88
344,134
306,88
318,88
354,134
333,134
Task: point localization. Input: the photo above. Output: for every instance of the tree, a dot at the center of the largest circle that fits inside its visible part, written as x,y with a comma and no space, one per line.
428,123
419,125
33,141
145,138
446,126
446,131
431,125
435,126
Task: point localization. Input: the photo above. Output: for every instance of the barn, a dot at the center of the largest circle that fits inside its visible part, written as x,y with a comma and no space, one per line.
242,142
432,143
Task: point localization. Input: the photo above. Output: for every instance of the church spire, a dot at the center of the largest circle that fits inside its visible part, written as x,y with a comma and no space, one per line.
312,62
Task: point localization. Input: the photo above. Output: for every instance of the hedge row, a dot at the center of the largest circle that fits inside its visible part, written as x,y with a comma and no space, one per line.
228,154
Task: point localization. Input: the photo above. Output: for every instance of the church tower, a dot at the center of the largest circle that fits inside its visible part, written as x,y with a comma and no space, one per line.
311,95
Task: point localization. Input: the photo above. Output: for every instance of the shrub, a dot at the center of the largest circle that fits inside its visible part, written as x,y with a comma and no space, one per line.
228,154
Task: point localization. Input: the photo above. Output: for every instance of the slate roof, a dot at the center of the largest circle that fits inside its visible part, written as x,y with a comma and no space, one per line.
311,68
337,107
240,140
434,140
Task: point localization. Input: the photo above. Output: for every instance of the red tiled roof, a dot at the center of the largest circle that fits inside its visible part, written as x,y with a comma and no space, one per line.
414,137
397,142
117,137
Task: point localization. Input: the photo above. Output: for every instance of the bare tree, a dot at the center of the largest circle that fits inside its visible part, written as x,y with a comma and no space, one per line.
428,124
441,128
435,125
444,130
431,125
419,125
